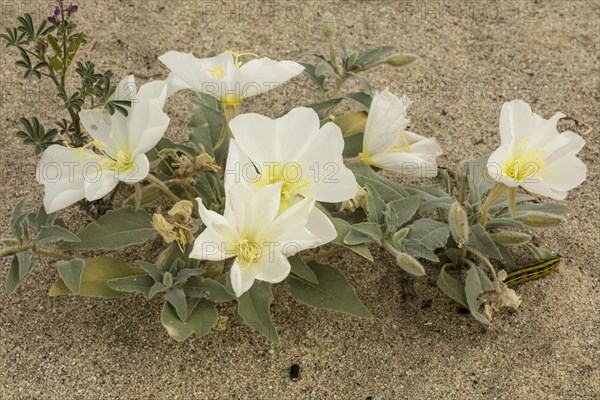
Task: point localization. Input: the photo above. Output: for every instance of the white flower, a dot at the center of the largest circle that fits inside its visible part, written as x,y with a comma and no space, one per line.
254,232
534,155
224,76
293,150
71,174
387,144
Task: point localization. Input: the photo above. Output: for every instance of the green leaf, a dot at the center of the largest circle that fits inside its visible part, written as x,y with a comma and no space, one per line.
15,219
480,240
42,219
200,287
353,145
333,292
443,203
115,230
20,266
375,206
363,232
254,308
176,298
53,234
387,189
325,69
507,258
426,192
364,81
431,233
205,130
362,99
133,284
352,123
301,270
70,272
310,71
473,289
452,288
322,108
400,211
200,320
152,270
479,180
371,56
95,276
343,227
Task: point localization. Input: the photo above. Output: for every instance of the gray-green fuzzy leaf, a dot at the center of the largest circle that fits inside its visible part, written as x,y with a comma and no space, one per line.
53,234
254,308
363,232
480,240
452,288
115,230
333,292
473,289
387,189
300,269
70,273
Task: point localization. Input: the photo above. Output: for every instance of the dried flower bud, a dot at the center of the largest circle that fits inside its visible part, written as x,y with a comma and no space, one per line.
179,226
329,25
182,210
410,264
540,219
360,200
458,222
511,237
163,227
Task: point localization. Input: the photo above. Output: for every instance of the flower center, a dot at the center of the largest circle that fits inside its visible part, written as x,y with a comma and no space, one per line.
121,162
248,252
294,182
524,164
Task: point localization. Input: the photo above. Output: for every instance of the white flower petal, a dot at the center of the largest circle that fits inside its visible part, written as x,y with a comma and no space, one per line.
209,245
175,84
256,136
105,129
242,279
263,74
148,122
408,164
60,170
320,225
222,227
387,118
322,163
126,89
98,183
273,270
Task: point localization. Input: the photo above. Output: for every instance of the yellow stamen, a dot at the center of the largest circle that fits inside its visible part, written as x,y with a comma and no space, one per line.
524,164
236,57
405,147
247,251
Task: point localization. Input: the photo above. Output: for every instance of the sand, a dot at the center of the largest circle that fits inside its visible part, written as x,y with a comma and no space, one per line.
472,60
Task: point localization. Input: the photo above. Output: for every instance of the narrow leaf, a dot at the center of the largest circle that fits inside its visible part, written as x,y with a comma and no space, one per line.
254,308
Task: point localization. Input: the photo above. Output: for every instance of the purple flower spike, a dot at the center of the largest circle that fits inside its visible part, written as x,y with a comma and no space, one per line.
56,10
72,9
43,47
52,20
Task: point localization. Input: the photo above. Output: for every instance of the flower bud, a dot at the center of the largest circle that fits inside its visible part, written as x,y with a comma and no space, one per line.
458,222
401,234
410,264
511,237
540,219
168,280
400,60
329,25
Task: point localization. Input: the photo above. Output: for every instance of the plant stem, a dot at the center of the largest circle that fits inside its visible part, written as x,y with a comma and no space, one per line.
163,188
493,195
185,184
27,246
138,195
324,254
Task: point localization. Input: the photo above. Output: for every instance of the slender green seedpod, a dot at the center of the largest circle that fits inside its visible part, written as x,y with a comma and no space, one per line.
511,237
532,271
400,60
410,264
540,219
458,222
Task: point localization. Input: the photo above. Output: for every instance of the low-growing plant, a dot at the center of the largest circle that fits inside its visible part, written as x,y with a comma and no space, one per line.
247,196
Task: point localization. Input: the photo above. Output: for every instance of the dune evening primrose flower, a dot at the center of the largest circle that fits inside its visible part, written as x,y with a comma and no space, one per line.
225,76
254,232
71,174
293,150
387,144
534,155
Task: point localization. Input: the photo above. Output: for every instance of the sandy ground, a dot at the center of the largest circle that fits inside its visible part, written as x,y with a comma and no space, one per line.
473,59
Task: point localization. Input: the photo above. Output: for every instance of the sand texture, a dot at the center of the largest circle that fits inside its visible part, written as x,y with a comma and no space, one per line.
473,59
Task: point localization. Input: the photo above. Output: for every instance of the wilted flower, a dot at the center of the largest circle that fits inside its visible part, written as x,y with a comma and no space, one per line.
359,201
389,146
179,226
254,232
70,174
225,77
534,155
